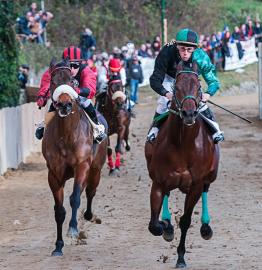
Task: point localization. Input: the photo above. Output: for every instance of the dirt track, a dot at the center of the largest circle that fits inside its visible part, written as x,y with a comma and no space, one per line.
122,241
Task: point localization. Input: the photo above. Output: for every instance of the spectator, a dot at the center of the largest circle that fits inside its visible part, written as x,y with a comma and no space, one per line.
156,46
116,52
237,37
87,43
135,75
250,29
102,71
23,24
23,75
243,32
149,48
33,9
143,51
225,48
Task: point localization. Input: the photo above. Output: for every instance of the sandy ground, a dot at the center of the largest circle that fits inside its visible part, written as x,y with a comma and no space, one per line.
122,241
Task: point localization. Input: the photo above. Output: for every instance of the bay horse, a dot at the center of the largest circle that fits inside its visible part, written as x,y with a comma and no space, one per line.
182,156
113,108
70,152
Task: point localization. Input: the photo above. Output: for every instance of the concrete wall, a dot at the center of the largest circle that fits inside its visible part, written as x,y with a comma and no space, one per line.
17,140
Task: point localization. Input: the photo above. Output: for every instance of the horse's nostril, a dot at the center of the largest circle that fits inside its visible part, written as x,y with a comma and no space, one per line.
184,113
195,113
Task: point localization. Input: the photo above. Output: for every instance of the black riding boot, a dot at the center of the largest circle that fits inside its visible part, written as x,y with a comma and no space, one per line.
217,134
153,131
39,133
90,110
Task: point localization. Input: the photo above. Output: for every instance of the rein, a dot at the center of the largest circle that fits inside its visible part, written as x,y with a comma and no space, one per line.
114,81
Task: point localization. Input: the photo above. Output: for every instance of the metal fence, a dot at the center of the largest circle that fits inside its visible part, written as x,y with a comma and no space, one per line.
17,140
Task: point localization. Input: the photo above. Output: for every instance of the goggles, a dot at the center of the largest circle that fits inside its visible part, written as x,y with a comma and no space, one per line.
185,49
74,65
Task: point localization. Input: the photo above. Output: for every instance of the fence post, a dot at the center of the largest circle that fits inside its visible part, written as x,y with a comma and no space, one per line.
260,78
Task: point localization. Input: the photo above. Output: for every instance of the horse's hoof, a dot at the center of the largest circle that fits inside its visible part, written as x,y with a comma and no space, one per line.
206,231
180,265
88,216
128,147
72,232
155,229
168,230
117,171
56,253
112,172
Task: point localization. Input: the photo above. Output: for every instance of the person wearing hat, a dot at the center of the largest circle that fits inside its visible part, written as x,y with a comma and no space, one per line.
184,48
83,81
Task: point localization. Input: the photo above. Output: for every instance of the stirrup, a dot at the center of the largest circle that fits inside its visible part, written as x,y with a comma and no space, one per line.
99,133
218,137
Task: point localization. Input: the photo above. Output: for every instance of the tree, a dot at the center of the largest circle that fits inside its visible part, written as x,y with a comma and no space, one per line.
9,90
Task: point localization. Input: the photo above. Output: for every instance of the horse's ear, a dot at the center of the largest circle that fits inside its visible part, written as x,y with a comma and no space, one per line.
180,66
195,67
52,63
66,61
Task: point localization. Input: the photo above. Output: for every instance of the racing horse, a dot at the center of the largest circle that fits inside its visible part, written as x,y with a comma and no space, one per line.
182,156
113,107
70,152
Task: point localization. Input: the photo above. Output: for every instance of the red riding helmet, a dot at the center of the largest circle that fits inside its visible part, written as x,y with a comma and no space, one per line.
114,65
73,53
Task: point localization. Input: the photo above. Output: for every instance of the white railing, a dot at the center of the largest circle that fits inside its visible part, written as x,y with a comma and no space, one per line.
17,139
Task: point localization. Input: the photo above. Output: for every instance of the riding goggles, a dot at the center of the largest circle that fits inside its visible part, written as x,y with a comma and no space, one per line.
74,65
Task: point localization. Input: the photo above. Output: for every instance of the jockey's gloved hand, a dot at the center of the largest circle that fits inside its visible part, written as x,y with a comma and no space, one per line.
74,83
41,101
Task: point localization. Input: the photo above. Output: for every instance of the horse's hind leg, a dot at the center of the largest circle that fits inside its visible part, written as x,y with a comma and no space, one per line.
206,231
156,199
58,193
79,185
93,181
110,161
185,221
168,233
126,139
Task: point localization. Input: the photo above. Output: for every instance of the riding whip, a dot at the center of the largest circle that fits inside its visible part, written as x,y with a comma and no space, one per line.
243,118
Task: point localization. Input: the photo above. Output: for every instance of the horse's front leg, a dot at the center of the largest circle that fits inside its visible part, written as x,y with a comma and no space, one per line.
206,231
110,161
118,149
185,221
156,199
81,173
60,212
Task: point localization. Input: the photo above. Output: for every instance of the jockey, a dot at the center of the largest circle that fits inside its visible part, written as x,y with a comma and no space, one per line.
84,83
116,70
184,48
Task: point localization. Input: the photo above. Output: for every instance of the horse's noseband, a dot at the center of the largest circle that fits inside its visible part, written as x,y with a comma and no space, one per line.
179,104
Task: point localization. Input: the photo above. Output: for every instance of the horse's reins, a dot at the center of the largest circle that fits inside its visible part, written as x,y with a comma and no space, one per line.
179,105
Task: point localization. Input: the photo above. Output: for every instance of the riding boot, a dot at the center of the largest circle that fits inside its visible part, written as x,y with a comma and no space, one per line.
209,118
99,129
39,133
153,131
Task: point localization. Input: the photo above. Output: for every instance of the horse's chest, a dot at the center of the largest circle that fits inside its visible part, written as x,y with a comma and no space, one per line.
181,179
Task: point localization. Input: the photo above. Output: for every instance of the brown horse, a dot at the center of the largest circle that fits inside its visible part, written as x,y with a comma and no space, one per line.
70,152
182,156
113,108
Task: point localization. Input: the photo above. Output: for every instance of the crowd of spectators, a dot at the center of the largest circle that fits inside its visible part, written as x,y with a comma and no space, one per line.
217,44
31,26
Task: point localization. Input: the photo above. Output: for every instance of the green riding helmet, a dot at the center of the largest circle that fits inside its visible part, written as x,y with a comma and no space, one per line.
187,37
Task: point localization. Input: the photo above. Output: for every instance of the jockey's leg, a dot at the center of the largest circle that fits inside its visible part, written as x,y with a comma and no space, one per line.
99,130
209,118
39,133
162,107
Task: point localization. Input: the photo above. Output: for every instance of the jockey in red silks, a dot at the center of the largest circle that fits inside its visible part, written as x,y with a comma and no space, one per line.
116,71
84,83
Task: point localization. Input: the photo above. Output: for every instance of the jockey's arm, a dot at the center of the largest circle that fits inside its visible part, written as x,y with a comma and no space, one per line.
44,93
207,70
87,87
160,70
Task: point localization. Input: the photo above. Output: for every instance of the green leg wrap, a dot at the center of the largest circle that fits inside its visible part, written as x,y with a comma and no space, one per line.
205,217
165,211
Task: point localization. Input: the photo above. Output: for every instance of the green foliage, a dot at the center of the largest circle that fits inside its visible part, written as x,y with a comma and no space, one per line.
9,90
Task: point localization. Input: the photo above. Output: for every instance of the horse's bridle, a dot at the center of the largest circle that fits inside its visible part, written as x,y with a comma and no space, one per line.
179,104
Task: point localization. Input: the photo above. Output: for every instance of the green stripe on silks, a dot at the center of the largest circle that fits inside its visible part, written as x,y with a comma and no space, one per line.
205,217
165,211
161,116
